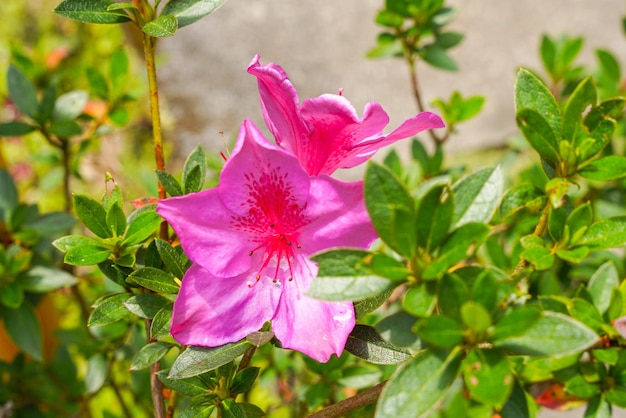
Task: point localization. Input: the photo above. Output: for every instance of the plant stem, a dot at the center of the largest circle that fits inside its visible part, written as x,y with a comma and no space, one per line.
3,161
351,404
67,174
149,48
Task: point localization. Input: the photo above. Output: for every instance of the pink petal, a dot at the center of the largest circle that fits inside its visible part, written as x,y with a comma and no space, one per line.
211,311
335,130
203,226
259,175
279,102
339,216
313,327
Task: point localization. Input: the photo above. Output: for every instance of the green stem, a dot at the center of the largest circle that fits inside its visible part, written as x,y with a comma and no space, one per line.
346,406
540,230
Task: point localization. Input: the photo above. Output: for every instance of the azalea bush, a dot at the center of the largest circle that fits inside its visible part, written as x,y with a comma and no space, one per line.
259,284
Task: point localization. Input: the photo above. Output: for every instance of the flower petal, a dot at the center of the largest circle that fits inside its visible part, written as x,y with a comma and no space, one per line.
314,327
339,216
211,311
258,175
335,130
279,102
203,226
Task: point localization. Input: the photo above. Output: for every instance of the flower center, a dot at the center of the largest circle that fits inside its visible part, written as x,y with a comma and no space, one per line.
277,248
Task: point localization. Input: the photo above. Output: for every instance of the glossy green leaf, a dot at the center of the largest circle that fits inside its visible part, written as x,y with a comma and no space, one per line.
517,404
97,373
488,377
154,279
477,195
142,224
605,234
391,208
453,292
608,109
86,255
197,411
434,216
116,220
174,259
91,11
197,360
22,326
364,306
611,167
160,326
418,386
550,334
364,342
191,386
601,284
149,354
531,93
161,27
397,329
69,242
421,299
539,134
440,331
598,407
92,215
244,380
189,11
22,91
15,128
584,95
171,185
42,279
145,305
475,317
109,309
586,313
522,196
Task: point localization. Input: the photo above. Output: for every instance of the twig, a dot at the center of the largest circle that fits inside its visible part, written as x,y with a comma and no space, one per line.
357,401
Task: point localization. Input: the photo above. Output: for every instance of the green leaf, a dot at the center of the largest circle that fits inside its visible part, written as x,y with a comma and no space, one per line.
8,196
440,331
154,279
601,285
70,105
174,259
448,40
91,11
584,95
12,295
522,196
86,256
52,224
97,372
598,407
92,215
190,387
149,354
438,58
531,93
578,221
488,377
69,242
244,380
142,224
391,208
434,216
365,306
364,342
42,279
97,83
22,326
162,26
611,167
109,309
171,185
539,134
65,128
189,11
609,65
348,288
605,234
418,386
421,299
551,334
15,128
22,91
161,322
517,405
197,411
548,54
145,305
397,328
477,195
197,360
116,220
475,317
194,171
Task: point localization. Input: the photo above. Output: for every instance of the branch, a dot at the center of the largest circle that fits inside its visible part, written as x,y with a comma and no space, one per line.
346,406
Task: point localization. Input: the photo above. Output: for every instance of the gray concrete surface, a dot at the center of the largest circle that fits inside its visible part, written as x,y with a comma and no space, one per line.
322,46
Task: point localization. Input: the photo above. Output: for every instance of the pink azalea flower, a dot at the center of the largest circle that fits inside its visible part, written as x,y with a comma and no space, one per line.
251,239
325,132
